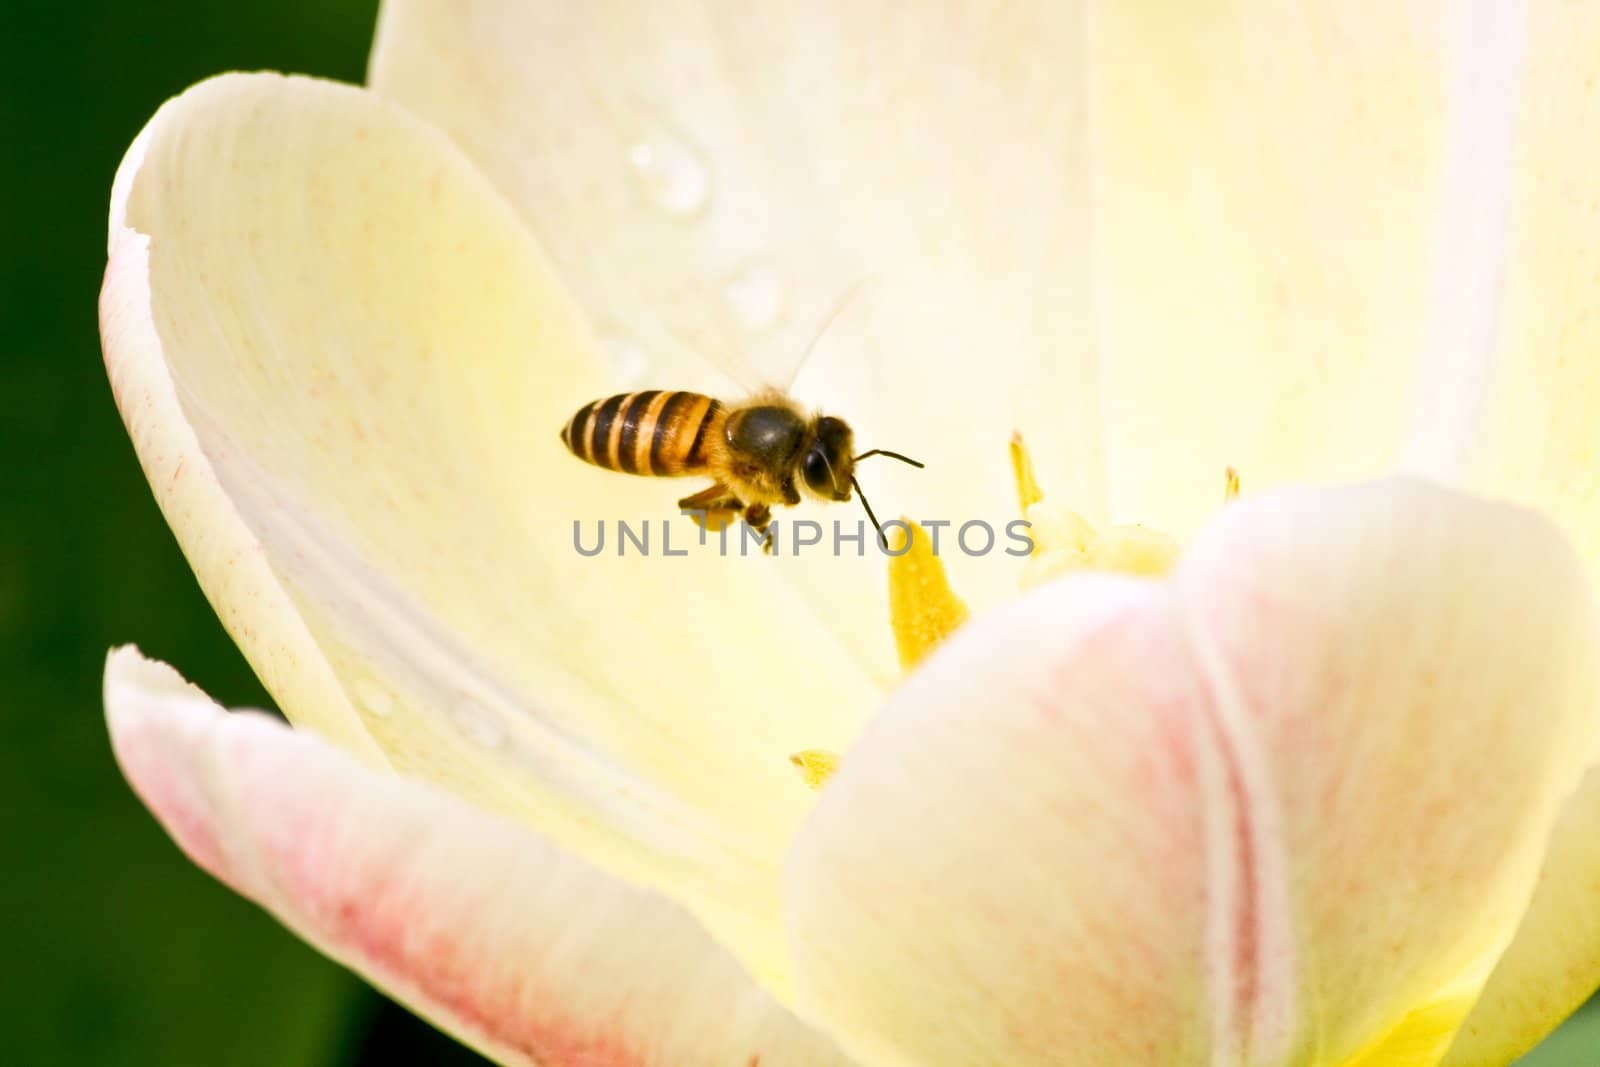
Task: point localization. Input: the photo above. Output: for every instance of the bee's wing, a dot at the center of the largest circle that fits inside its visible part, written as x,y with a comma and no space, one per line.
847,326
758,333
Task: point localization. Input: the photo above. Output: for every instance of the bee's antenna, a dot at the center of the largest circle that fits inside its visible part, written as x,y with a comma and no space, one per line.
870,515
891,455
863,496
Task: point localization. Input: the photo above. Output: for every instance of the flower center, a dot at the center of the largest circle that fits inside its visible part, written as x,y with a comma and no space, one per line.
924,610
1064,541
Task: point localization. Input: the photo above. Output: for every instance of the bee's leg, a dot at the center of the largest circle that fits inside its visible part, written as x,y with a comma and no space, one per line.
714,497
759,516
713,508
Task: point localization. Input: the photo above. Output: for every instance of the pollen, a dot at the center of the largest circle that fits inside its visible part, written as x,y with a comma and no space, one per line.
816,766
923,610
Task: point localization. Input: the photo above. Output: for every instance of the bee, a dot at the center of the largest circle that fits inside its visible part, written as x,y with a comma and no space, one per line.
761,453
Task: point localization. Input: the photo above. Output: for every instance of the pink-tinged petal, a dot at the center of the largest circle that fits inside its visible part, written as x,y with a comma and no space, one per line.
1286,807
1553,965
518,948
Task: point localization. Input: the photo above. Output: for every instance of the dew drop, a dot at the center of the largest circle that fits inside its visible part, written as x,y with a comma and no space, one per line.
477,723
627,358
755,296
374,698
672,174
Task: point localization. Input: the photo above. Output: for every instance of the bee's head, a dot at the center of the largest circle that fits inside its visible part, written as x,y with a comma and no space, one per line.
827,465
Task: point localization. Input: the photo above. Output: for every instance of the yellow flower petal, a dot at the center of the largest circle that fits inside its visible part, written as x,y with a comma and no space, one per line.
1553,966
344,364
1421,1036
712,182
1266,201
1518,406
251,599
1255,853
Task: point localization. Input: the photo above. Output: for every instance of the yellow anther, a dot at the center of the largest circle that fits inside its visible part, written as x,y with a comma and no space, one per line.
1133,550
1028,492
1230,486
816,766
922,609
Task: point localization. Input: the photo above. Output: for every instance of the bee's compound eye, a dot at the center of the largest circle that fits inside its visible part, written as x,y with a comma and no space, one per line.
817,473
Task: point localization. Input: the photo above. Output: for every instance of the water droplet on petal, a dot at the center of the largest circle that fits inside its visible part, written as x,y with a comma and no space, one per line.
755,296
477,723
627,358
373,698
671,172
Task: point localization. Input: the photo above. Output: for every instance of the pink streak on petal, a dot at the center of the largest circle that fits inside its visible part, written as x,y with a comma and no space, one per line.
392,930
1252,937
527,952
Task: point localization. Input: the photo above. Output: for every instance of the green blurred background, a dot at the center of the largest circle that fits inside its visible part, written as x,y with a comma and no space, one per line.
115,950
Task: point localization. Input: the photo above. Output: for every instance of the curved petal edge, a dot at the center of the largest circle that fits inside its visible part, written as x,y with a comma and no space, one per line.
227,558
526,952
1553,964
1288,806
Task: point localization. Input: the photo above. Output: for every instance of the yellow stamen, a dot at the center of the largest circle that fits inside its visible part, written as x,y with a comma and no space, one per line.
1028,492
1230,486
816,766
922,609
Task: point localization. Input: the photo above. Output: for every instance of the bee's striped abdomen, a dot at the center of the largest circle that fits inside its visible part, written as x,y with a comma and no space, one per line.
650,432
